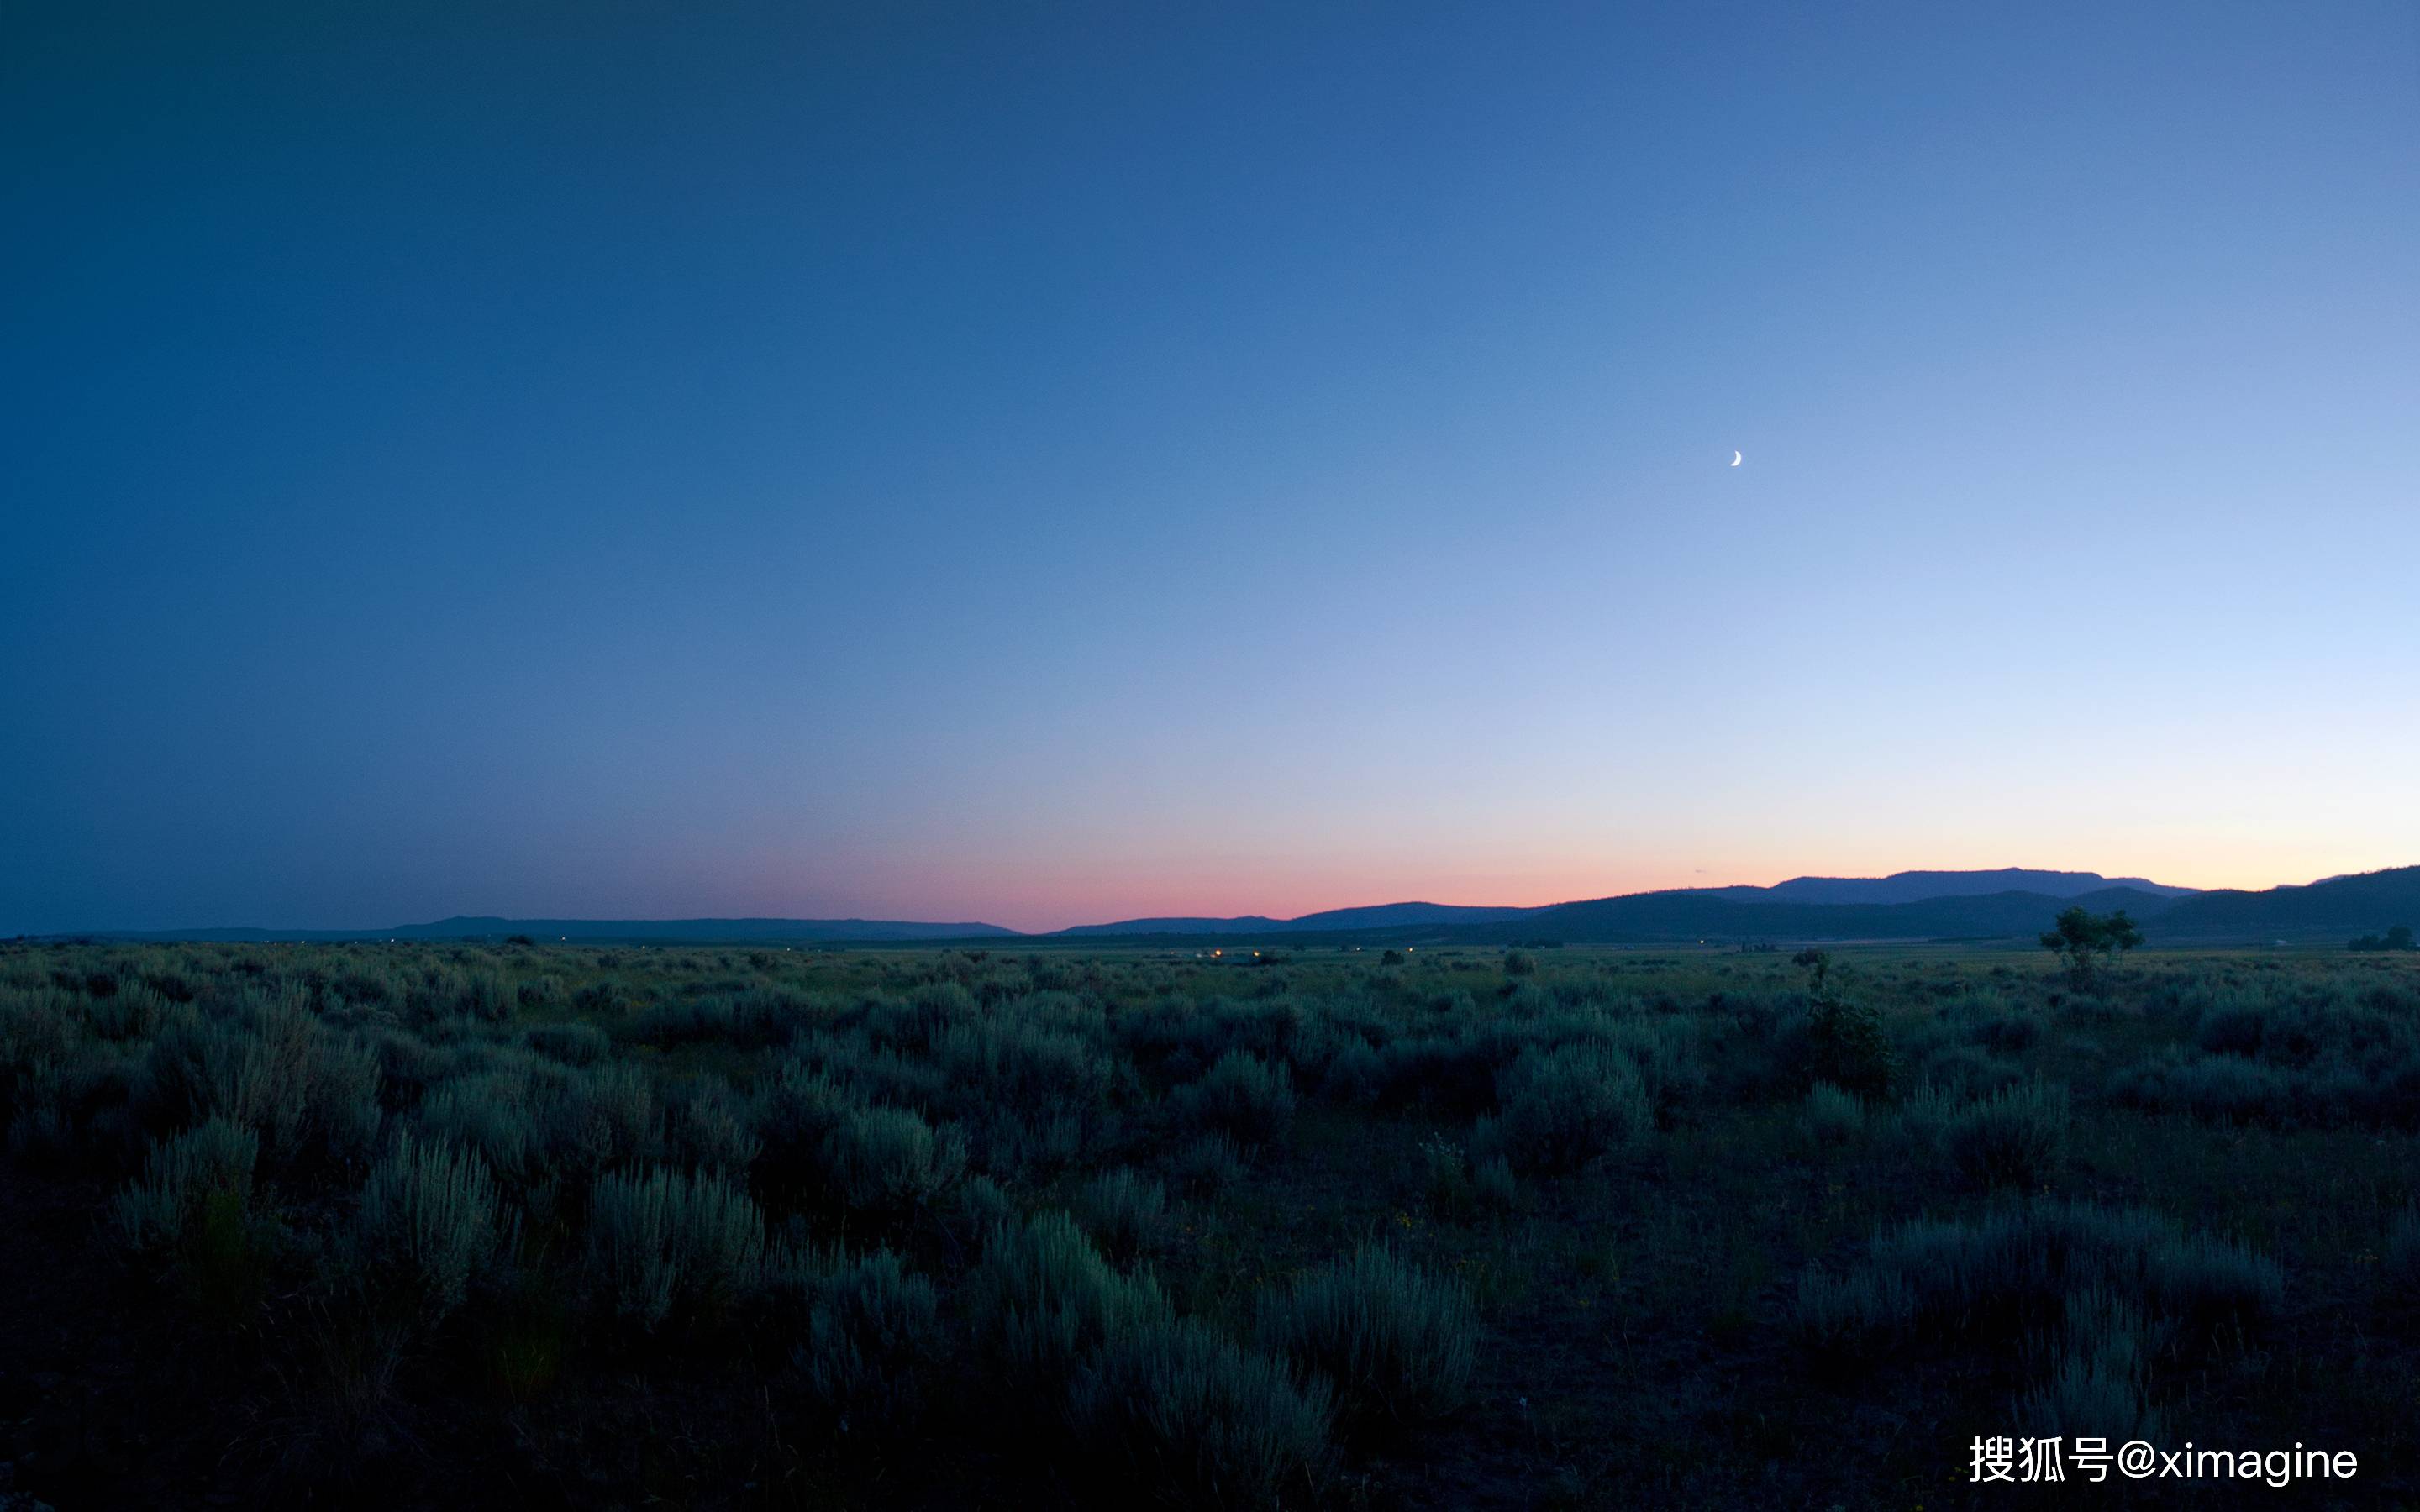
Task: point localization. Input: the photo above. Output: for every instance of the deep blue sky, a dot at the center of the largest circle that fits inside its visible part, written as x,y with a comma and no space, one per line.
1043,464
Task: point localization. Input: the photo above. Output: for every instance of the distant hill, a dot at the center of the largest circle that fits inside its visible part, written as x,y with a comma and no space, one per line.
1242,924
1904,905
637,930
1907,905
1666,918
1375,916
1916,887
2335,910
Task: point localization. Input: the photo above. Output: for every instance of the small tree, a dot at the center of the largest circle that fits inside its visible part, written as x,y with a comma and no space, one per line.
1849,1046
2086,940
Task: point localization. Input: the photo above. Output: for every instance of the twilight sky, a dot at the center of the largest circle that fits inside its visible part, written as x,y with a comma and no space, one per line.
1048,464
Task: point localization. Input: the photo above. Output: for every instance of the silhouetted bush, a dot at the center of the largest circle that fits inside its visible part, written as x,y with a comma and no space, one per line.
1849,1046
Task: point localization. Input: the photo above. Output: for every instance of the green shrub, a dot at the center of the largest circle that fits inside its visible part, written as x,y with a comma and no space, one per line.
670,1024
1848,1045
429,1222
534,1121
1566,1107
1004,1061
1398,1344
1446,1176
2014,1267
1493,1185
1044,1301
574,1044
711,1130
1968,1070
1852,1319
672,1243
493,1114
874,1333
180,1179
1243,1097
1208,1165
980,1210
1354,1074
1123,1212
271,1067
889,1160
792,1116
1182,1415
2016,1137
2095,1379
1833,1117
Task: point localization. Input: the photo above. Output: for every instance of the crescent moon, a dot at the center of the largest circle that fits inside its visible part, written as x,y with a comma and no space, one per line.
1735,460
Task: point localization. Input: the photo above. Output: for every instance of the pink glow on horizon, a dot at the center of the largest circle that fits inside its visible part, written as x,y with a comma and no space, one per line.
1041,899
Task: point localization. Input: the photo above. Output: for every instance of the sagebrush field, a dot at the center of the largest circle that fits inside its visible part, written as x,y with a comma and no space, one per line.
538,1225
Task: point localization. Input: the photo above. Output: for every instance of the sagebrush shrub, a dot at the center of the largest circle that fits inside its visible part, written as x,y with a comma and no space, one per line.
574,1044
711,1130
980,1210
1123,1211
1191,1419
2015,1137
429,1221
1833,1117
1398,1343
1044,1300
1562,1108
1005,1061
1852,1317
184,1174
1208,1165
790,1117
2096,1376
1243,1097
271,1067
1354,1074
2015,1266
889,1160
1493,1185
873,1335
1445,1170
669,1242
